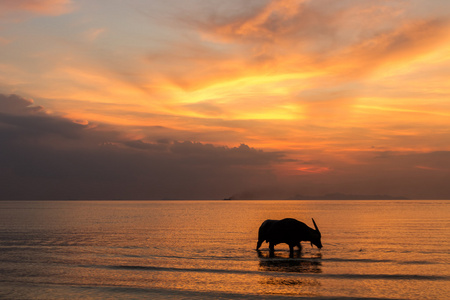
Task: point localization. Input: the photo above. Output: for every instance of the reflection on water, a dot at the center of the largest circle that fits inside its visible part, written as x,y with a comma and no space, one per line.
291,282
279,262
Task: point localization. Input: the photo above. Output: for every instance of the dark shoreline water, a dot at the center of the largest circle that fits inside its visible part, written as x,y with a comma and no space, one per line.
205,250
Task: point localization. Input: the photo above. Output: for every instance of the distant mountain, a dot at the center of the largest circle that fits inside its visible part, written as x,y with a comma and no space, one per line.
339,196
330,196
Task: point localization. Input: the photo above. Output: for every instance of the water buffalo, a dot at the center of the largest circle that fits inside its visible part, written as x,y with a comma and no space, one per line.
289,231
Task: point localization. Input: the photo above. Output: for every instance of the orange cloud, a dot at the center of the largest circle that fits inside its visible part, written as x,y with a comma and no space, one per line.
265,23
286,49
44,7
392,49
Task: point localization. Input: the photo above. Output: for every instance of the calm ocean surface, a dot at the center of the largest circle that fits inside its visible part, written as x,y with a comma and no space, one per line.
205,250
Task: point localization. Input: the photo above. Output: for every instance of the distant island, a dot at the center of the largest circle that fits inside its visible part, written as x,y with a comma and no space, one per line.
330,196
339,196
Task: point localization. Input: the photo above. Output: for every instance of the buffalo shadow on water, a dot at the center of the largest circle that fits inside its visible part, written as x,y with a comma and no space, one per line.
275,264
282,262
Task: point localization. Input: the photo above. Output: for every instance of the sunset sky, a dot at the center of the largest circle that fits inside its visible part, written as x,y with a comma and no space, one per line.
205,99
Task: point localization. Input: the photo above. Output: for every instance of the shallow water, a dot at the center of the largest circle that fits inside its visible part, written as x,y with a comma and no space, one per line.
205,250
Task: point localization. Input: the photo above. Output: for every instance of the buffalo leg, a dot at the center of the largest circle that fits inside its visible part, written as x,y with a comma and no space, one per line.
258,244
271,249
291,250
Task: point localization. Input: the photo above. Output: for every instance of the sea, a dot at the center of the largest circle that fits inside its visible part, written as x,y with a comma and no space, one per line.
374,249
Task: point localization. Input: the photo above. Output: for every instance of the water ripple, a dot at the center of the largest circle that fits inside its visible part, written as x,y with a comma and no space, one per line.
246,272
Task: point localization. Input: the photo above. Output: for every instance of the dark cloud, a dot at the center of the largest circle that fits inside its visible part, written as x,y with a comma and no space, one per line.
414,175
14,104
41,125
44,156
240,156
20,119
139,144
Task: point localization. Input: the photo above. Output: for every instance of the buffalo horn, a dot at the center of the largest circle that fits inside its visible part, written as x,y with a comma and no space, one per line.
315,225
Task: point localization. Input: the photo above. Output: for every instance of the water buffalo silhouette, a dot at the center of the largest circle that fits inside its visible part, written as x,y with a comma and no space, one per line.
289,231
